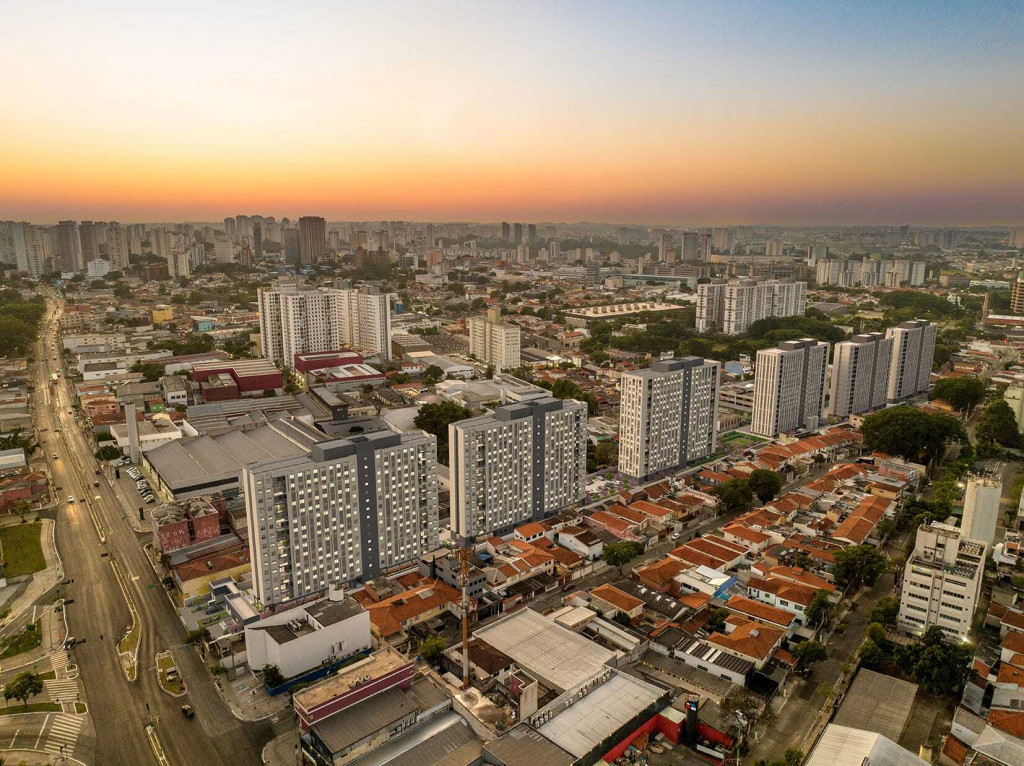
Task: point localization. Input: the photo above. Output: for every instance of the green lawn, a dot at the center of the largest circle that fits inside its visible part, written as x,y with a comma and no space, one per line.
22,551
173,685
15,707
22,642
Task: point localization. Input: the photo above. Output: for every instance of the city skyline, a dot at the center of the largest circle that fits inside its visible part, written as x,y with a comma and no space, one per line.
676,115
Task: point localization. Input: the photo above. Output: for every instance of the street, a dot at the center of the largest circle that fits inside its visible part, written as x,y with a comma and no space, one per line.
121,710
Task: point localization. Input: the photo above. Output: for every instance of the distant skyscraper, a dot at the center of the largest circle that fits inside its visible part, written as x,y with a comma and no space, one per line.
816,253
229,226
690,246
290,245
493,341
116,246
312,239
860,374
1017,238
913,351
662,247
523,461
87,235
22,245
668,415
257,241
773,248
506,231
789,387
69,247
531,233
243,226
554,249
517,232
723,240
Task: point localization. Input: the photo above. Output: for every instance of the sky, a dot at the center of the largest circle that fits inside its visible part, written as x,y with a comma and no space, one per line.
661,113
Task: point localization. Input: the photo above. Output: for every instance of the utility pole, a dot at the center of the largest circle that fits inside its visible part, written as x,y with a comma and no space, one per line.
464,554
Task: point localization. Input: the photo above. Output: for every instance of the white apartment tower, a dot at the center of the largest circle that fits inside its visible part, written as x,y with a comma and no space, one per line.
116,246
789,387
913,350
942,581
297,320
23,245
668,415
349,510
981,509
860,374
523,461
733,306
493,341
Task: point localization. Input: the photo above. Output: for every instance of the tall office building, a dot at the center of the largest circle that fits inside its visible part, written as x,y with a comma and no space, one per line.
531,232
8,253
243,226
704,246
290,245
23,246
179,264
523,461
116,246
506,231
89,239
981,508
789,387
301,320
229,226
696,246
257,241
517,232
312,239
668,415
723,240
913,351
161,242
663,247
493,341
554,249
731,307
860,374
69,247
774,247
348,511
941,582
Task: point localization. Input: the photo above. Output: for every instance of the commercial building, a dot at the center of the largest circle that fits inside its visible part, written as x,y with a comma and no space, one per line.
312,239
860,374
250,377
347,511
942,581
913,351
981,509
181,524
668,415
297,320
524,461
731,307
493,341
789,387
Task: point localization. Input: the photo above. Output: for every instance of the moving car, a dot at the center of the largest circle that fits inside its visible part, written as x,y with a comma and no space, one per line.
188,712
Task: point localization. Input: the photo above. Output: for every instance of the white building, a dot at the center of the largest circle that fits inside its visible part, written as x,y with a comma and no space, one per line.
524,461
300,639
789,387
116,246
493,341
913,351
981,509
860,374
733,306
297,320
179,264
942,581
223,250
668,415
347,511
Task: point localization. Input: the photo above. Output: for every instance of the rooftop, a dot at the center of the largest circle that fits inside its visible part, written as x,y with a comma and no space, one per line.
380,663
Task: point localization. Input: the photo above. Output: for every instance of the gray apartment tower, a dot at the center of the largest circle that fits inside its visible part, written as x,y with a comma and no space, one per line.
860,374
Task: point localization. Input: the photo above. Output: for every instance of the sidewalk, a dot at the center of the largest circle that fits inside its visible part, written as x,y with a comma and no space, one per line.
41,581
282,750
248,700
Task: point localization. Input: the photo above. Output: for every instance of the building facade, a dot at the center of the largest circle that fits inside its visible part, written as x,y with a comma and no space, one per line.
312,239
349,510
942,581
860,374
494,342
913,350
524,461
731,307
668,415
789,387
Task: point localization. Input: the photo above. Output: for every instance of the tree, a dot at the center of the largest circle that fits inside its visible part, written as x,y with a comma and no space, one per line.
431,648
122,291
885,610
808,652
489,372
858,565
911,433
566,389
818,610
998,424
734,494
716,621
433,374
197,636
434,418
269,392
108,452
765,484
151,371
23,686
272,676
961,394
619,554
942,668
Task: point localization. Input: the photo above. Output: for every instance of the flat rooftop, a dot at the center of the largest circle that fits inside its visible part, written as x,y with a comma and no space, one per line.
877,703
378,664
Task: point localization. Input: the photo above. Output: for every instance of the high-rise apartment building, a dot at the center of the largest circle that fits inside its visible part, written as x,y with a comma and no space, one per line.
69,247
981,508
257,241
179,264
731,307
723,240
297,320
774,247
348,511
523,461
1017,296
229,226
493,341
668,415
23,246
789,387
912,354
506,231
1017,238
517,232
290,245
816,253
942,582
116,246
89,239
860,374
312,239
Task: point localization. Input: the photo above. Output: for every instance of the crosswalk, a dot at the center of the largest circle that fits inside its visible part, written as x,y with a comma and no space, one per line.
60,660
63,732
61,689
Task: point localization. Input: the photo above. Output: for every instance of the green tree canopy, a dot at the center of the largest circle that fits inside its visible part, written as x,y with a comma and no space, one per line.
23,686
431,648
884,611
734,494
962,394
618,554
910,432
809,652
817,611
765,484
858,565
997,424
432,374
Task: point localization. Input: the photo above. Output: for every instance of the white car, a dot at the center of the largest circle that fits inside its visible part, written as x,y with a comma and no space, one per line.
71,498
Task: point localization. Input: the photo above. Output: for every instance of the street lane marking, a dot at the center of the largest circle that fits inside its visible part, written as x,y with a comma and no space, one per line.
41,729
13,739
